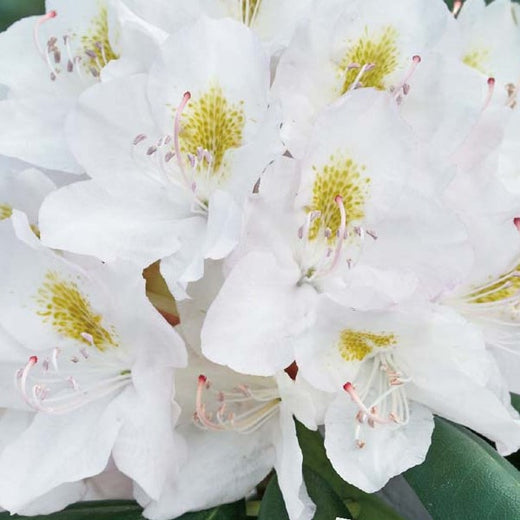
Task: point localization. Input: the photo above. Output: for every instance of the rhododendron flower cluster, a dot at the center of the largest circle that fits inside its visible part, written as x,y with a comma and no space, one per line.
222,218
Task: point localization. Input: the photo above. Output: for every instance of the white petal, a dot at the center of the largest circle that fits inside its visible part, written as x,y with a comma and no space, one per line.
221,468
288,465
266,307
389,449
64,448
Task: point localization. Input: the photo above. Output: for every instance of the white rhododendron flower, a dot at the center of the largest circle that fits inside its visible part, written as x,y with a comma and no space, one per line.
194,138
349,45
238,428
252,252
50,60
98,382
385,368
351,232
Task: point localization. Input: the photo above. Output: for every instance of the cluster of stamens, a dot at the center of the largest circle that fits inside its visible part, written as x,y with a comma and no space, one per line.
328,259
391,404
400,90
242,410
88,65
192,175
64,385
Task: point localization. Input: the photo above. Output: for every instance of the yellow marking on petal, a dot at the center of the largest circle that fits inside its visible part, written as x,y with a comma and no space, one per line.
5,211
356,345
341,176
69,312
96,40
477,59
212,123
506,286
379,49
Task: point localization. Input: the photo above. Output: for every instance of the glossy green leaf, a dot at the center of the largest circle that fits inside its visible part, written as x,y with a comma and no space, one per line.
328,505
464,477
12,10
362,506
272,505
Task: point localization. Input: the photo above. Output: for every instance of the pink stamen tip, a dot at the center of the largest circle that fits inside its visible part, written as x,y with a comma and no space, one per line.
338,199
51,14
202,379
33,360
491,82
348,387
416,59
516,222
186,96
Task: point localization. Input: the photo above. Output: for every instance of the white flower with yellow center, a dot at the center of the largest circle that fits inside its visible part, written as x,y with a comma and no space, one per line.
390,371
362,228
98,381
175,158
490,37
237,428
49,60
402,47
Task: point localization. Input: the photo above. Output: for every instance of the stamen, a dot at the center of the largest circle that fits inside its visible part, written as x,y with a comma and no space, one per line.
341,234
260,407
365,68
404,85
70,394
516,222
49,16
390,406
491,89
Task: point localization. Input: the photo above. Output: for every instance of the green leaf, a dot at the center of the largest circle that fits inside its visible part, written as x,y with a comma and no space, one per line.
12,10
328,505
464,477
272,505
362,506
129,510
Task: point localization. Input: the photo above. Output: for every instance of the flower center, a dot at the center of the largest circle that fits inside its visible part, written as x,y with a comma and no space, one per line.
68,311
86,56
343,177
96,43
242,409
377,50
356,345
211,123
